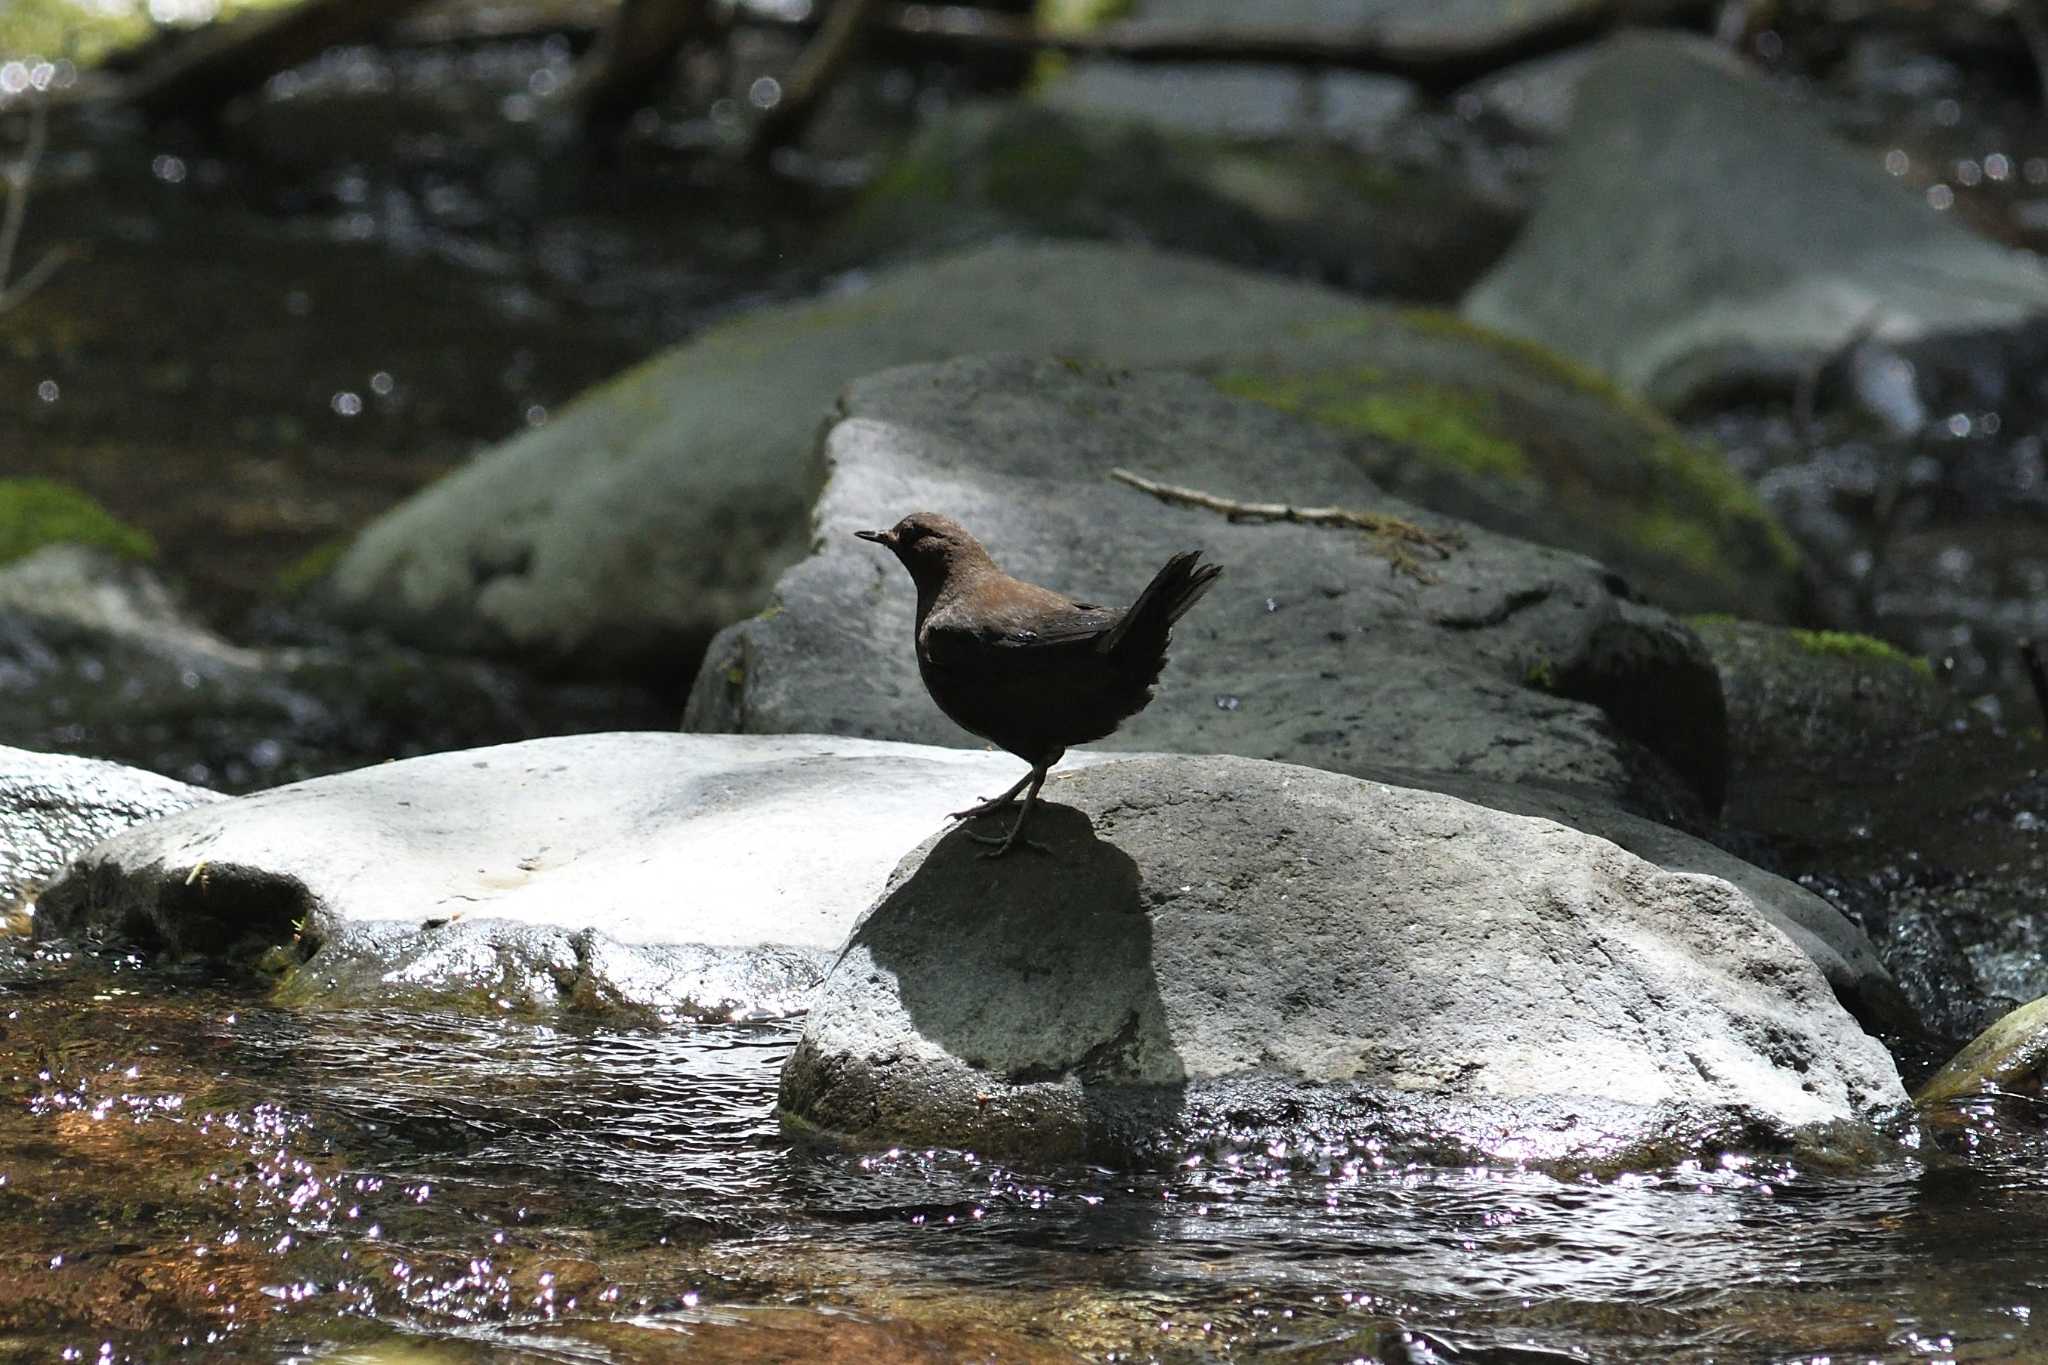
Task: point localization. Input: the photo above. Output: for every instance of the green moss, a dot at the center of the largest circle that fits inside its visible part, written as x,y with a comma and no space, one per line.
1541,675
1681,536
1078,16
1448,424
917,176
1693,483
39,512
1847,644
1699,480
1532,355
86,33
310,567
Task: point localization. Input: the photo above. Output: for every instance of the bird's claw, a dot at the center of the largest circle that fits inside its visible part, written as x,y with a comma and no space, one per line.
985,808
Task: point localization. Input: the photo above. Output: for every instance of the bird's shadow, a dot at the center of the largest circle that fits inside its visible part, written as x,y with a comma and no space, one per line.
1032,966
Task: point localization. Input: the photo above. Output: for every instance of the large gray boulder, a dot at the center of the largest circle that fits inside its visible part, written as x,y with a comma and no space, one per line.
1221,949
1307,206
707,875
53,806
1312,648
1699,228
659,508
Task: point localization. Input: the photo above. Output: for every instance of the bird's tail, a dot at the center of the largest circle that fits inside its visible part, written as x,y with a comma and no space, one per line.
1177,586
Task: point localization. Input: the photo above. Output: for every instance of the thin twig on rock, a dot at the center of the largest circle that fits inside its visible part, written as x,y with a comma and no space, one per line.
1397,538
19,179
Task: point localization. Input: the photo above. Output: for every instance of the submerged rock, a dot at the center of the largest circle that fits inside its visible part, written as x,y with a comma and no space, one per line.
661,871
1226,950
1700,230
54,806
1314,647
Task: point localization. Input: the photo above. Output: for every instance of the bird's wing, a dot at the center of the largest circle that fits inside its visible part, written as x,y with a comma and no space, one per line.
952,643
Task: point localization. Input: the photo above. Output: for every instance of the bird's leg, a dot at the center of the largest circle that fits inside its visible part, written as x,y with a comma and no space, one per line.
1003,843
990,807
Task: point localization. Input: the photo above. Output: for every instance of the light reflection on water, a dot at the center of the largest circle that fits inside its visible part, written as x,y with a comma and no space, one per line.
178,1161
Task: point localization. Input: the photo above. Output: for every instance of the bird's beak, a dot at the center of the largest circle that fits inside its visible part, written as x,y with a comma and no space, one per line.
879,537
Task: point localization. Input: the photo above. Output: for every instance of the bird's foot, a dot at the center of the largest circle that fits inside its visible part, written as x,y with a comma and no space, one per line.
1003,843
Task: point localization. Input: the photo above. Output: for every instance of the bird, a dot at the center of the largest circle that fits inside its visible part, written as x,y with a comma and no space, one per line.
1026,668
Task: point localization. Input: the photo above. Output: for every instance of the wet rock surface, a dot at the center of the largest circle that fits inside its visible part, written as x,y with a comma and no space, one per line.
1698,229
1313,647
1220,944
54,806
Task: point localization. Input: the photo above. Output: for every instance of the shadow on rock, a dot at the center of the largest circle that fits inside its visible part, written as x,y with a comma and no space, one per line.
1034,966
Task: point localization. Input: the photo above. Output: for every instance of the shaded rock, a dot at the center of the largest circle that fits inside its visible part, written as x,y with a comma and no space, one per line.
1821,724
52,806
1699,231
1312,647
97,656
1310,207
1234,100
1444,29
1854,768
2006,1058
707,875
1221,949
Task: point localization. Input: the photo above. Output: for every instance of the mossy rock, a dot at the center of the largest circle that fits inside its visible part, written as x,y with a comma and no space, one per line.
996,169
309,568
2007,1058
39,512
1507,434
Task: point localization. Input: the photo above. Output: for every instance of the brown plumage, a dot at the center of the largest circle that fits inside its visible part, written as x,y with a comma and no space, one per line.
1023,666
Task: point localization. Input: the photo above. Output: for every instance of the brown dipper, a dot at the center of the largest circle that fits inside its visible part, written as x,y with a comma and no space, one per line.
1024,667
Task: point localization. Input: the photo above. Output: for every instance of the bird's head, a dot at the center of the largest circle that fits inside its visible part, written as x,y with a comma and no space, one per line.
930,546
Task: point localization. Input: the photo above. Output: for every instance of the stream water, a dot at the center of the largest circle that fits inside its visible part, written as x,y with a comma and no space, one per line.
263,344
185,1172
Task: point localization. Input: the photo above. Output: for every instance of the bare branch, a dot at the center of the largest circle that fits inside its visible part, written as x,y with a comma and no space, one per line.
1398,538
20,179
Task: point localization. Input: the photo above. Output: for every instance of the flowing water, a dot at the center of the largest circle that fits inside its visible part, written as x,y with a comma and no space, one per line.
256,348
185,1172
